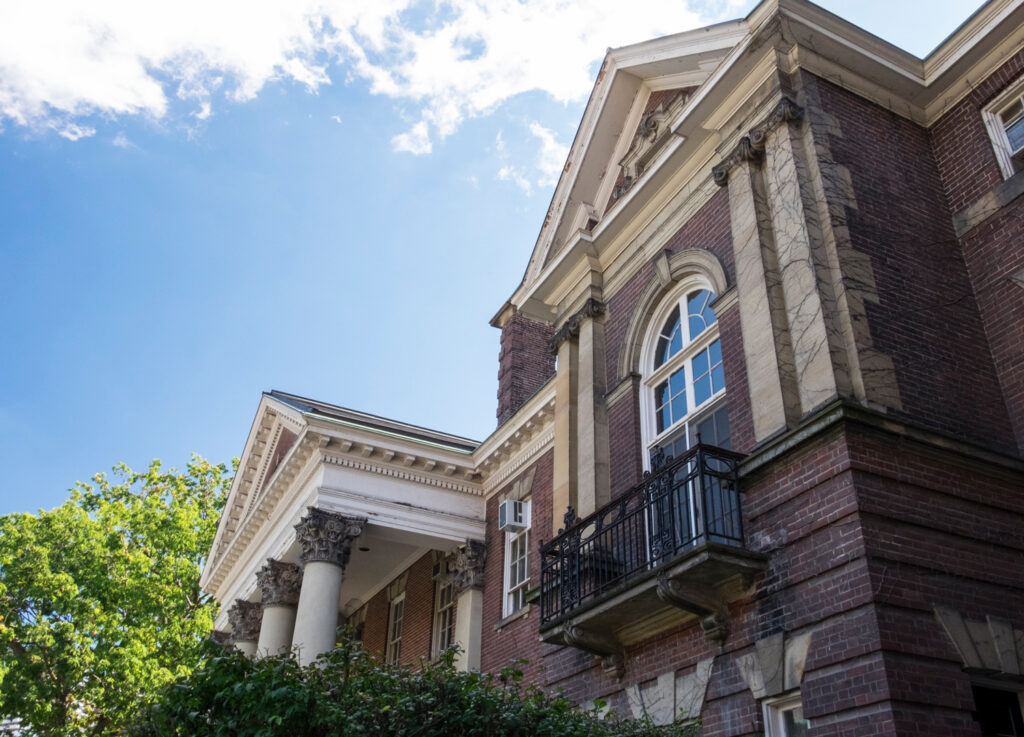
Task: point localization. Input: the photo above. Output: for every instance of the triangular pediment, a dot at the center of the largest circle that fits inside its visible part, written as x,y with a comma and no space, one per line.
638,91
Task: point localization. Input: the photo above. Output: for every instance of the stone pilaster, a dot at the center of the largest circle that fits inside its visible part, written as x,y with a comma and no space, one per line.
279,584
467,571
245,618
326,540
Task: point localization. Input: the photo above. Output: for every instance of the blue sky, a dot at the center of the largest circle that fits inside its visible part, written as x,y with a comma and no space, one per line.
198,205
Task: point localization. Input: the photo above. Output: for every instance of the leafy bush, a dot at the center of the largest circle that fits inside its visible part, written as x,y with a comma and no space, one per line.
348,692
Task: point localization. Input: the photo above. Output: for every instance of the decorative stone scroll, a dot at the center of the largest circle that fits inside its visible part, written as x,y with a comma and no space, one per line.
279,583
327,536
245,618
467,568
570,329
751,146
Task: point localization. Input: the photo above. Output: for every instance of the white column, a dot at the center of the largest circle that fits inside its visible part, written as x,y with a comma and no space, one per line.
279,585
245,618
467,585
326,540
469,617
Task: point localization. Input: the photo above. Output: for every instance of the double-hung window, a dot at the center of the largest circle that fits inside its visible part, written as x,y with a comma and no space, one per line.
517,565
785,717
396,615
1004,118
444,616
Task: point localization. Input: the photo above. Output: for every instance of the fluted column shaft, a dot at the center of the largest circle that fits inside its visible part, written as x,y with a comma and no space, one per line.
326,540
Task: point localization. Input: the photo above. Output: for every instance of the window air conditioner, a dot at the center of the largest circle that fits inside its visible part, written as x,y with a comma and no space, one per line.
513,515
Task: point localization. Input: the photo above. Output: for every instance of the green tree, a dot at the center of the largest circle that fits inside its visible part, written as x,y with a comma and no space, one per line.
349,693
99,598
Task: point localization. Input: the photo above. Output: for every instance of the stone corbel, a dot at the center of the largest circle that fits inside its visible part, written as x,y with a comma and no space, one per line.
596,643
467,569
570,329
751,146
712,611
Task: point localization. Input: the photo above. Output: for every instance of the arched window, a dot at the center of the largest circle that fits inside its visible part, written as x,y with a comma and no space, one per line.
684,380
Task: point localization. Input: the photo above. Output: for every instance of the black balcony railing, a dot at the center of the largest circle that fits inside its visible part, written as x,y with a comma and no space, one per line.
685,503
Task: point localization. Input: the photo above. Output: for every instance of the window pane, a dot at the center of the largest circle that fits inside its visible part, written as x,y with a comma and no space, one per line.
1015,134
699,312
679,407
661,395
718,378
701,390
1011,113
700,364
715,349
678,382
671,338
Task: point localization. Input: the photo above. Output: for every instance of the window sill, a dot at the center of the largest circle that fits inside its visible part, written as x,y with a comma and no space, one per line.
521,614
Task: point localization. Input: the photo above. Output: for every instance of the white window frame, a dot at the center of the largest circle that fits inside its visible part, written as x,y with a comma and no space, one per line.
396,625
444,616
997,131
514,595
774,714
654,376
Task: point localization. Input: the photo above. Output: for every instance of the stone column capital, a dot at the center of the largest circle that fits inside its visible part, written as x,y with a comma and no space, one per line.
467,566
327,536
570,329
245,618
279,583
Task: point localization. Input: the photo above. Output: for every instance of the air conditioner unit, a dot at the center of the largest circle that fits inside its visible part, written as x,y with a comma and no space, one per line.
513,515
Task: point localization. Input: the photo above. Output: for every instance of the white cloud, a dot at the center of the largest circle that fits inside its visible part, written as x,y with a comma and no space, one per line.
516,175
336,119
552,155
62,61
415,141
121,141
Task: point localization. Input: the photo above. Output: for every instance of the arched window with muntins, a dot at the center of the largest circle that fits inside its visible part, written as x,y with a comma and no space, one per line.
684,378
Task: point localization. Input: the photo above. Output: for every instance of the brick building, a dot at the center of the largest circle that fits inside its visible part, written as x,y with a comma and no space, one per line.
760,405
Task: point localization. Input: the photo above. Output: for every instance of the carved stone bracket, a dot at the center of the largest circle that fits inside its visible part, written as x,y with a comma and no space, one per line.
713,613
467,568
245,618
751,146
327,536
570,329
596,643
279,583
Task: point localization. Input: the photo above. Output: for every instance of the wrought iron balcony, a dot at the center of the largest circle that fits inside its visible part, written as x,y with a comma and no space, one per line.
669,540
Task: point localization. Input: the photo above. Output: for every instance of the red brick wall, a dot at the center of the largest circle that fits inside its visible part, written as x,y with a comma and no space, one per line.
524,363
926,318
418,617
962,147
992,250
518,640
708,229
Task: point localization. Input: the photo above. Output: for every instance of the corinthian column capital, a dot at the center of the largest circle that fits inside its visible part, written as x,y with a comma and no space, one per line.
327,536
245,618
468,566
279,583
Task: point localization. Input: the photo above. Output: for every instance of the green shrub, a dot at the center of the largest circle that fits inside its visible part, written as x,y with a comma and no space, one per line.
348,692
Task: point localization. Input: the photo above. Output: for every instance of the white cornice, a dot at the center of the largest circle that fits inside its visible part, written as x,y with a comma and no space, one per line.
398,471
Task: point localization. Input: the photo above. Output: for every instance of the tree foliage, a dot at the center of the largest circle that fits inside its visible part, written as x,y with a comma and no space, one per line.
348,692
99,598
